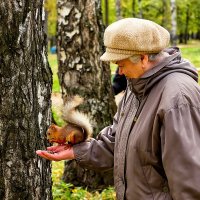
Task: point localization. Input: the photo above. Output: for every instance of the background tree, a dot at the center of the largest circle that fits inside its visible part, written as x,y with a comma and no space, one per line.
111,11
25,90
118,9
80,37
140,14
188,20
50,8
134,8
164,9
173,22
106,13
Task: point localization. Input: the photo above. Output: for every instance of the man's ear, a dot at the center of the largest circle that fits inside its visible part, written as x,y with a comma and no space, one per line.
144,60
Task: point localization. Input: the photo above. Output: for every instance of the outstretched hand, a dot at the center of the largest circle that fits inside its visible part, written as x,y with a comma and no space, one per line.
57,153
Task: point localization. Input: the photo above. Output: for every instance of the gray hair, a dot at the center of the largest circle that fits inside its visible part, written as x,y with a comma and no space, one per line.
135,58
152,57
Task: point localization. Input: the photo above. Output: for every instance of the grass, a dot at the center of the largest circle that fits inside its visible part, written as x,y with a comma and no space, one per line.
191,51
66,191
52,58
192,54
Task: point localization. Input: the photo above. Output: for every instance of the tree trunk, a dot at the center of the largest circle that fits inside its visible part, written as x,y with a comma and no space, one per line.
164,13
106,13
186,35
80,33
25,89
173,23
140,14
134,12
198,35
118,9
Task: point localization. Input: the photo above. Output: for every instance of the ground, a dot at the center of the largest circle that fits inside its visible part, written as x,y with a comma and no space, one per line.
57,99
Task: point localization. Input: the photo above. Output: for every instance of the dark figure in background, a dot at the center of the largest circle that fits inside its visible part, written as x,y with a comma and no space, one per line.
119,82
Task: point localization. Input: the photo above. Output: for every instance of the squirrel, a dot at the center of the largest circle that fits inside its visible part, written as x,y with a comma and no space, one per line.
77,129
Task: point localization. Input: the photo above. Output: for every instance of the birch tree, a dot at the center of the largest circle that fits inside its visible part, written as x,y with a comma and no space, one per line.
118,9
106,12
140,15
173,22
25,88
80,37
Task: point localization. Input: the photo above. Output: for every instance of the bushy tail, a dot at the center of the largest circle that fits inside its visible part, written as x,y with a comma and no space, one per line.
73,116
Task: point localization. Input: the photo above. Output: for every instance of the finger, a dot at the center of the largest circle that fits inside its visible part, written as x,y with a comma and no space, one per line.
67,154
46,155
40,153
55,148
58,148
49,156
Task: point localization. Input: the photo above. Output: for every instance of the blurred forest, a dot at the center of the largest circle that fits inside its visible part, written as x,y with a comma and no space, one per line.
180,17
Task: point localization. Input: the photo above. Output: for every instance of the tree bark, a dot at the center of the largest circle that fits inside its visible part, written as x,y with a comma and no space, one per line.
118,9
173,23
25,90
80,33
134,12
106,13
164,13
186,34
140,14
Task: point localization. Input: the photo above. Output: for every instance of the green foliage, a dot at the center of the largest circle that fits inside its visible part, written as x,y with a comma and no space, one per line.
191,51
50,7
188,15
188,9
52,58
127,8
158,11
57,116
111,10
66,191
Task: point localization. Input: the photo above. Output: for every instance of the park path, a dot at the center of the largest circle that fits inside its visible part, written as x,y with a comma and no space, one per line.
57,101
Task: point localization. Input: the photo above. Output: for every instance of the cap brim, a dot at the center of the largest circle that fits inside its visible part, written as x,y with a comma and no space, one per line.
112,57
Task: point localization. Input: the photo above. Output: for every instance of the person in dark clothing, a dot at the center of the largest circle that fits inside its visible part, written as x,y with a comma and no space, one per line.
119,82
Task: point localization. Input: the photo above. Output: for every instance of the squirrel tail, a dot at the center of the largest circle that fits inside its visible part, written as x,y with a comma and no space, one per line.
73,116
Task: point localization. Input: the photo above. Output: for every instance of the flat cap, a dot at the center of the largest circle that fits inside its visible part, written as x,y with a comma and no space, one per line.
131,36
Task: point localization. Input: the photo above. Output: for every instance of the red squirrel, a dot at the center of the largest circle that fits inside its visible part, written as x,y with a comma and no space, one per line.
77,129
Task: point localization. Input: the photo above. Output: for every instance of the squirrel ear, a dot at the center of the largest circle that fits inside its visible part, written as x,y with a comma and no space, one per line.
53,127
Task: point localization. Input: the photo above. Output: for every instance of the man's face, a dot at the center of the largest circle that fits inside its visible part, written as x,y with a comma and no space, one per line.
130,69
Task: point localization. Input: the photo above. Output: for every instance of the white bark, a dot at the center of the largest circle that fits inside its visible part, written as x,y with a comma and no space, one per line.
173,22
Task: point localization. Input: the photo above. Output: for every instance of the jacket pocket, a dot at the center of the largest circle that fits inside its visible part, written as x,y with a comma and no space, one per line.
158,185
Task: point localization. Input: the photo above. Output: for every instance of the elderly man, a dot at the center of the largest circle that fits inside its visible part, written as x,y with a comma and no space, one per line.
154,141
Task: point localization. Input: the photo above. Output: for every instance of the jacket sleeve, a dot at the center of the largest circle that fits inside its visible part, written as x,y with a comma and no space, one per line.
181,151
98,153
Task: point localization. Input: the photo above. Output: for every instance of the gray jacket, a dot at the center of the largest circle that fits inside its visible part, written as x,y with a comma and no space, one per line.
154,142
